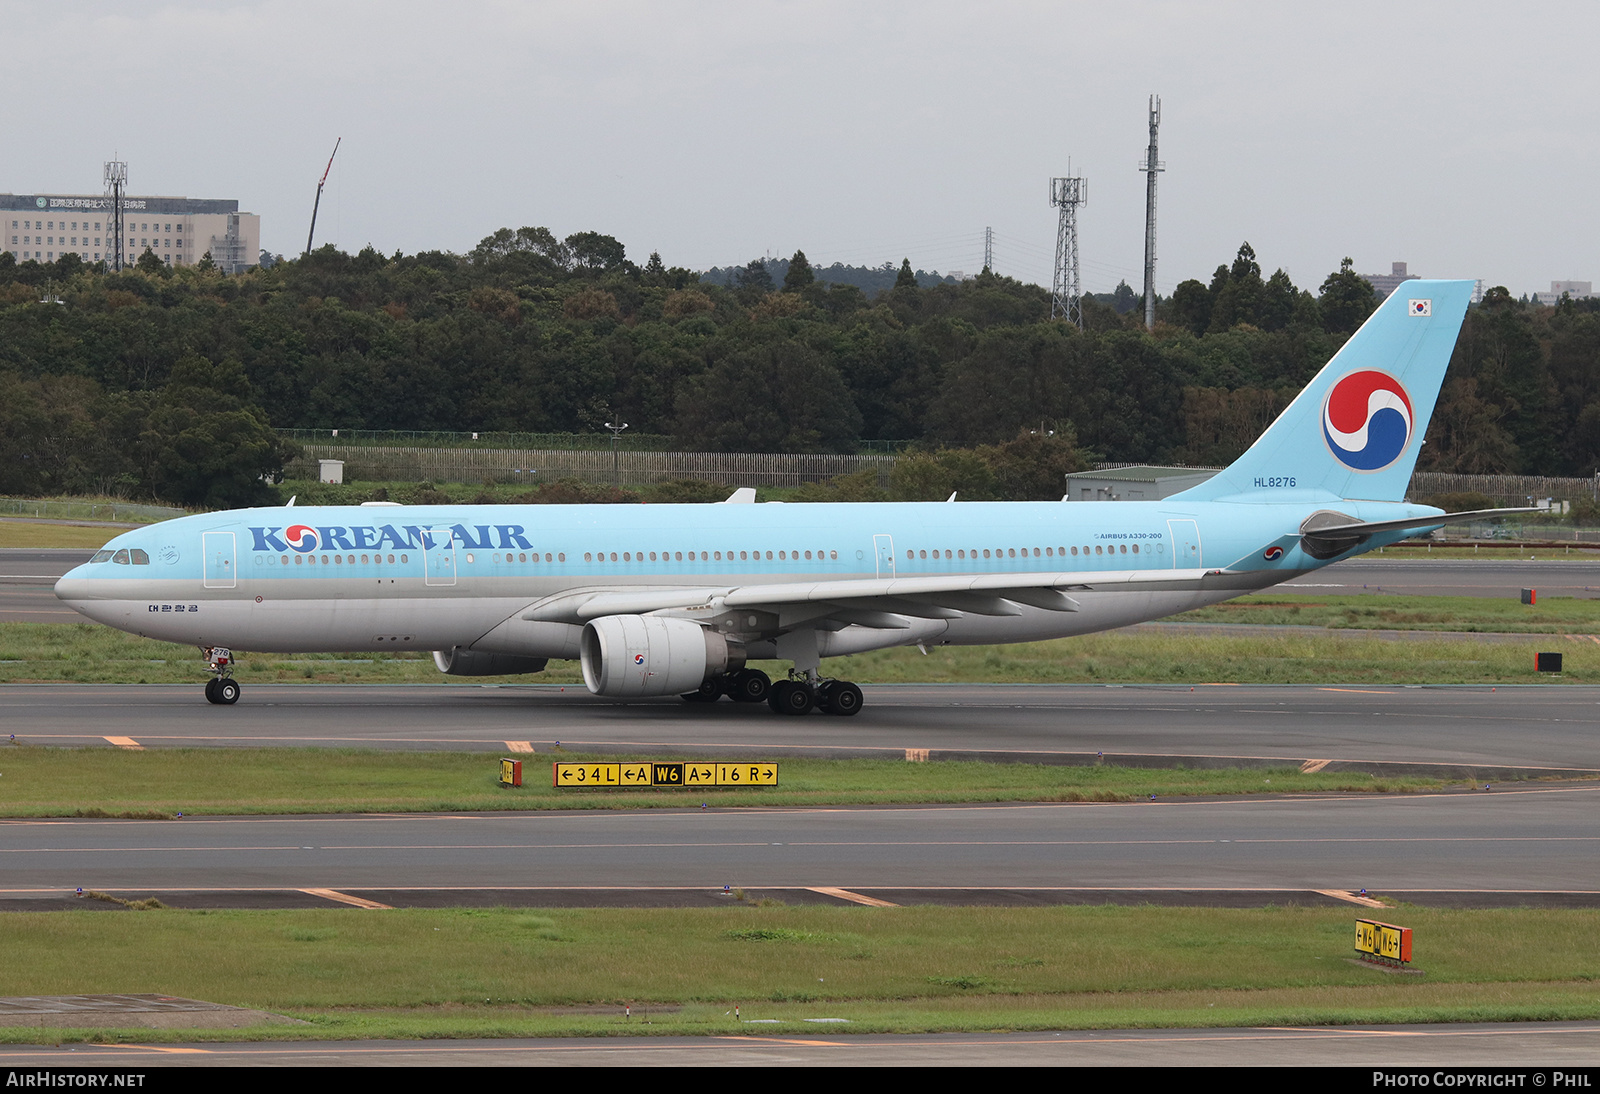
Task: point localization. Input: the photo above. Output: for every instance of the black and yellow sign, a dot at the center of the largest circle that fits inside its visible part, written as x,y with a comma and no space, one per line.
510,772
1383,940
679,775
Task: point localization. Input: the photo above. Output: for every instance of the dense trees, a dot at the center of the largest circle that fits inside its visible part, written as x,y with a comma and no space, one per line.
161,381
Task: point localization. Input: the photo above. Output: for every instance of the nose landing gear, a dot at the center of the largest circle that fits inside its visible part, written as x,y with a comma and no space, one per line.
222,689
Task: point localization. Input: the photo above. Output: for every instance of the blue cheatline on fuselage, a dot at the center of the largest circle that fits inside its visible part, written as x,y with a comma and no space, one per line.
800,581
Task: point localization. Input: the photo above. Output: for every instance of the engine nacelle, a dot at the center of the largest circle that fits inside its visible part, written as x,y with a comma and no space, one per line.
632,656
459,662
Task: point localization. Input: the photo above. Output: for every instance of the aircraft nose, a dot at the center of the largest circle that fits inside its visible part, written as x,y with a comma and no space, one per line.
72,585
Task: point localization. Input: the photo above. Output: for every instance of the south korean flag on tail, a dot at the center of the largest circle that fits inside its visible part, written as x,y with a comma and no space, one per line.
1421,307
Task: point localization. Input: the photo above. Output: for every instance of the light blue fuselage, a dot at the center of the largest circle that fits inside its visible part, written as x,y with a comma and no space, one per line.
435,577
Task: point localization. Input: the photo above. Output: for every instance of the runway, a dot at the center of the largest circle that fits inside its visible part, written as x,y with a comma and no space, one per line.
1520,844
1464,1052
1460,731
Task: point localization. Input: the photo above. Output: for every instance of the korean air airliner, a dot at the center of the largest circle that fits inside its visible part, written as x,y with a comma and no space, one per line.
663,600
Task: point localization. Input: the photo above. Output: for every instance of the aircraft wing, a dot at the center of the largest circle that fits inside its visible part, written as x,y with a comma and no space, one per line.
865,601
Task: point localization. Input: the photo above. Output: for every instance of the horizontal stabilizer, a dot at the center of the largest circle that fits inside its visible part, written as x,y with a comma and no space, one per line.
1368,527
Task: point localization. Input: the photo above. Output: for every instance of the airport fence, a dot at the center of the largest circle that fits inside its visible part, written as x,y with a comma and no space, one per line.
392,463
121,512
1508,491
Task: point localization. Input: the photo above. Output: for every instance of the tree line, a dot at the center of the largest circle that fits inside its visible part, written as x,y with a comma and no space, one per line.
169,382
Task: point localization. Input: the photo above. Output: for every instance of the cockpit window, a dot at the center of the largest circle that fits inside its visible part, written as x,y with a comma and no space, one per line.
140,558
121,557
101,556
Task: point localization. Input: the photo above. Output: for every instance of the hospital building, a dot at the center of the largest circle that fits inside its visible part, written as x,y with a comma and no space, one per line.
180,231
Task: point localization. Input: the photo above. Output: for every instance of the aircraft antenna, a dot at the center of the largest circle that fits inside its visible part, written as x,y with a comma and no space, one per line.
318,202
1151,167
1066,297
988,250
116,176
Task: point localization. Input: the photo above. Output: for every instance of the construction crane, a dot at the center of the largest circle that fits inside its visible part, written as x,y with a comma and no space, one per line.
320,183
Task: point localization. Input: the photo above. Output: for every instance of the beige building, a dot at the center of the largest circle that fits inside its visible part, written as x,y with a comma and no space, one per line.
179,231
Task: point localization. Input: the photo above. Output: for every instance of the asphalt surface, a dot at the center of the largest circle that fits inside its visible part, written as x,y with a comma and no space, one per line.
1474,730
1461,1053
1516,844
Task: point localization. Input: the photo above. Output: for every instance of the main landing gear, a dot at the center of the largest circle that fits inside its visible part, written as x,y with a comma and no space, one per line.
799,695
221,689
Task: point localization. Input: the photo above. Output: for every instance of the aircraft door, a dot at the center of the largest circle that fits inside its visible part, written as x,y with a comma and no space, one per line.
1185,544
883,547
218,569
439,556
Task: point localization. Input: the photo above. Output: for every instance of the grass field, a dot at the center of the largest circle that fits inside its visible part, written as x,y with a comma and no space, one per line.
1384,611
24,533
57,782
501,972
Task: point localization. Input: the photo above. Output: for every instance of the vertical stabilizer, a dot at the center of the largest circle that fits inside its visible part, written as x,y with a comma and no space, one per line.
1356,429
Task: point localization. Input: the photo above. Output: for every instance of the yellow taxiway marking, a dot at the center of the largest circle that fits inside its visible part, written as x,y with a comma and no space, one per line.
1353,898
159,1048
917,755
1358,691
126,742
346,898
519,746
1312,766
857,898
1584,637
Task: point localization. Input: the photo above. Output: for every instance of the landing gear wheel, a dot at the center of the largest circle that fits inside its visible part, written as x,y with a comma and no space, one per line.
211,690
749,686
789,697
226,691
709,691
840,697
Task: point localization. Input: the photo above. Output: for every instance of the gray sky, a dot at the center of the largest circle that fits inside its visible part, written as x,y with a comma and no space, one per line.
1458,137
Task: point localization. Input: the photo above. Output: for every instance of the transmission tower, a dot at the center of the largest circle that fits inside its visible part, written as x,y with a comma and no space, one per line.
988,250
1066,298
1151,167
116,178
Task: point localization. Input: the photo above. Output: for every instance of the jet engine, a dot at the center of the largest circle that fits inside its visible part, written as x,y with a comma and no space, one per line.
459,662
628,656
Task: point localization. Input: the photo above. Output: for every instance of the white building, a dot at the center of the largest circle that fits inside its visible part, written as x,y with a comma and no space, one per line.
1578,290
179,231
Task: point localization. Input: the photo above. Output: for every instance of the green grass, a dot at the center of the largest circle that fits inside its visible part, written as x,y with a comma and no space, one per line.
58,782
1384,611
88,653
27,533
502,972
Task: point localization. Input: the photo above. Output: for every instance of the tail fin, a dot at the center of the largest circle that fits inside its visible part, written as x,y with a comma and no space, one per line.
1356,429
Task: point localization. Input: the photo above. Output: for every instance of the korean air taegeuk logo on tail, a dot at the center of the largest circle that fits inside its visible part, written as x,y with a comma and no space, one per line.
1367,420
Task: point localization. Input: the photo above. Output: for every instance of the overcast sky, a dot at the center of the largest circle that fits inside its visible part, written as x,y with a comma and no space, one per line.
1458,137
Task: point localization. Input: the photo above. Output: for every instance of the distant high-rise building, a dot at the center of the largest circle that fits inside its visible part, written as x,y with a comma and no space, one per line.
179,231
1384,284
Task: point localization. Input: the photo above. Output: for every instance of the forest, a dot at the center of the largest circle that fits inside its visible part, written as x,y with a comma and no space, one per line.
171,383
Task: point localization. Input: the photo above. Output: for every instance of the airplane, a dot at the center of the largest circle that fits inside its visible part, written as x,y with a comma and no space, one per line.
662,600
